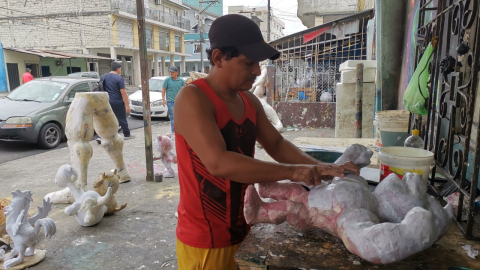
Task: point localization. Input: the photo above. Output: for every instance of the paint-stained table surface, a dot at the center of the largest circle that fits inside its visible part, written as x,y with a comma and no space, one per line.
280,247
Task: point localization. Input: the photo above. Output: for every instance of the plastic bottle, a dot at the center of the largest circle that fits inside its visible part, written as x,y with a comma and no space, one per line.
414,140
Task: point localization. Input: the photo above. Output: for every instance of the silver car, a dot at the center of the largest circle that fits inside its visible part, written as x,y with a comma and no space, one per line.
36,111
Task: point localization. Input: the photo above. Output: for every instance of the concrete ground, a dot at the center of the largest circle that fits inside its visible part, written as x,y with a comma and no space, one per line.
142,236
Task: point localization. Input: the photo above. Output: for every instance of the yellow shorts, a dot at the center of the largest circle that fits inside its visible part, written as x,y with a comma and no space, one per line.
192,258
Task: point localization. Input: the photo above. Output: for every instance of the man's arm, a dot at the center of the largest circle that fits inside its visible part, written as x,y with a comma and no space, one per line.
195,121
125,99
123,91
275,145
164,91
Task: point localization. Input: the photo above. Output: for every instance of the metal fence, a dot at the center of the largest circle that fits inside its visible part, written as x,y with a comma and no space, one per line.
306,70
152,14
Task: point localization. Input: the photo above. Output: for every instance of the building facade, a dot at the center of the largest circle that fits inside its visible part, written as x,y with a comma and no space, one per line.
314,13
107,28
192,39
260,16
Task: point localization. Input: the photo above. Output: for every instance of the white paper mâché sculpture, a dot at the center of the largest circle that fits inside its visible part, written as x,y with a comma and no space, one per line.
24,231
258,89
395,221
164,145
89,207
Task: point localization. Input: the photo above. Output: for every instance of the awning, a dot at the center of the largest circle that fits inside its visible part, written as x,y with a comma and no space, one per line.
55,54
36,52
312,35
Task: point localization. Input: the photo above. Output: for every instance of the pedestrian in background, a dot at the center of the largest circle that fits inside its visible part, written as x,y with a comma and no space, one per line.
114,85
27,76
171,87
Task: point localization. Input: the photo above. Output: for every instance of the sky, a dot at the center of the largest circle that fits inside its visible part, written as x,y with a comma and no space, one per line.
284,9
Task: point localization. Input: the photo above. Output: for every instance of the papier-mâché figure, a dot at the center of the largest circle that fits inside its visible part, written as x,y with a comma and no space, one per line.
395,221
24,231
90,112
89,207
104,181
164,145
258,89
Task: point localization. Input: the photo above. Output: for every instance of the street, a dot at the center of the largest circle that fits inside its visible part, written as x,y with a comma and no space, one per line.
12,151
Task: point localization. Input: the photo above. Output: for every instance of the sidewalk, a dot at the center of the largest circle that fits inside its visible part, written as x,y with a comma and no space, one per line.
142,236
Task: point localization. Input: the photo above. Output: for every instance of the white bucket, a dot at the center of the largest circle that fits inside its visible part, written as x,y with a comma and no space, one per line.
400,160
391,121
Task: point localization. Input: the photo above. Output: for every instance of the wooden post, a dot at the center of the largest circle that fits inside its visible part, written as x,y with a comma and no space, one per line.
358,101
147,125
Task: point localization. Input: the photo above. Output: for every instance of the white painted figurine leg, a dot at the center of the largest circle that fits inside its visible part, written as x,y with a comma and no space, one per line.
168,172
61,196
15,261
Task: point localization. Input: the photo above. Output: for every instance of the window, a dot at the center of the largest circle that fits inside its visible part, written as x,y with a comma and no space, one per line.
149,38
178,46
164,41
167,10
79,88
196,48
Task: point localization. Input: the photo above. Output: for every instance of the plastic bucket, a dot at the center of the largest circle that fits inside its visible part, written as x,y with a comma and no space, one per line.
400,160
391,124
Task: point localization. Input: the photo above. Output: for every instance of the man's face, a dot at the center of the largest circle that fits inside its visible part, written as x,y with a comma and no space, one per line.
240,72
174,74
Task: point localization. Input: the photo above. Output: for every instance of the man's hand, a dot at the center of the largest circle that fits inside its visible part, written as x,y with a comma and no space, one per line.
314,174
164,102
127,108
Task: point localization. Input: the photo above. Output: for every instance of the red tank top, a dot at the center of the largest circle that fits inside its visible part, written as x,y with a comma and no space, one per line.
210,212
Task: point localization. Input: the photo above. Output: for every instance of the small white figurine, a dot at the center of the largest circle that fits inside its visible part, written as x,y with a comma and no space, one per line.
24,231
164,146
89,207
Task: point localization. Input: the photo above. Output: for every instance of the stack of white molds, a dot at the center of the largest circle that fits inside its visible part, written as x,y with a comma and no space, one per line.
346,95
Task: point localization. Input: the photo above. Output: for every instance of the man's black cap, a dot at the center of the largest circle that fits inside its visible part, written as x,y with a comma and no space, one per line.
242,33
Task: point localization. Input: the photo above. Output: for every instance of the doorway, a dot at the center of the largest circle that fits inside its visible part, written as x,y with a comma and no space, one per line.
46,71
34,68
13,76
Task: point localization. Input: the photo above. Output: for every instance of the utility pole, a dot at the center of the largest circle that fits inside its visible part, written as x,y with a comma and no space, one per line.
269,22
147,125
200,24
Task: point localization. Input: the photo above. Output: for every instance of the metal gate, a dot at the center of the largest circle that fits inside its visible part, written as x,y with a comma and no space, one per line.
452,131
13,76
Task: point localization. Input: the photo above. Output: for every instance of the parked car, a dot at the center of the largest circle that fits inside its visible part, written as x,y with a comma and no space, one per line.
89,74
156,107
36,111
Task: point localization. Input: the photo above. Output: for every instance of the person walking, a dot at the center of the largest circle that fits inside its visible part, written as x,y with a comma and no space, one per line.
27,76
171,87
217,122
114,85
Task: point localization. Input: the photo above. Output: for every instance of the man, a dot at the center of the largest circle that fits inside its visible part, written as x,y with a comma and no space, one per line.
171,87
27,76
217,123
114,85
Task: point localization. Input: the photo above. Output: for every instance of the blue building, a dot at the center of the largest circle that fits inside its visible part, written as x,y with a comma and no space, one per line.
192,39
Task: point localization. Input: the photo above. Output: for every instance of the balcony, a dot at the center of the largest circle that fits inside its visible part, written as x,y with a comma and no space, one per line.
130,6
